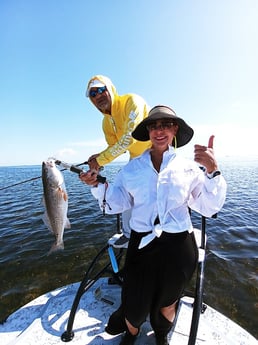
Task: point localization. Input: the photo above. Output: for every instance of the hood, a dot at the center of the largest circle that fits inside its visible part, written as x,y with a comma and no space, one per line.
105,80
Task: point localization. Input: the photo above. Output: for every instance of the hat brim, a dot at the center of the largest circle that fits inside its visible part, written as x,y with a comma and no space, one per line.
184,132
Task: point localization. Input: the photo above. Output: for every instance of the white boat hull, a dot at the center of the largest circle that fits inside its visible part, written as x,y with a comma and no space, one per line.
44,320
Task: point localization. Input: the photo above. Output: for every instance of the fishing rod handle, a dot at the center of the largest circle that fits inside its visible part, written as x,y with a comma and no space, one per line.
101,179
77,170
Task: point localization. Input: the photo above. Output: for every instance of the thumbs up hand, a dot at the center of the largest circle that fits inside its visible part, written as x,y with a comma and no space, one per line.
204,155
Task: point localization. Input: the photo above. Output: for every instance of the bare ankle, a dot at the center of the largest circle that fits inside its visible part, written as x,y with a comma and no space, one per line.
133,330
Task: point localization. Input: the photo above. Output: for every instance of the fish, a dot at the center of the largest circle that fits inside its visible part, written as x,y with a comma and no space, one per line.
55,201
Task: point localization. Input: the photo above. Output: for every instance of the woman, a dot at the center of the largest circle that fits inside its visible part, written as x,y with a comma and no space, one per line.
160,187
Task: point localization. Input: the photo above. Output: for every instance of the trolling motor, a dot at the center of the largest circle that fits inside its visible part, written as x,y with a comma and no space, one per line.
78,170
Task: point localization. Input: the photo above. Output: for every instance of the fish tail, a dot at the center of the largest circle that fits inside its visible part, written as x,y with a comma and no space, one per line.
56,246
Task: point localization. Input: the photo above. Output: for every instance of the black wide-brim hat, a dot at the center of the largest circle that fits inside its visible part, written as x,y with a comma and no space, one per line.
162,112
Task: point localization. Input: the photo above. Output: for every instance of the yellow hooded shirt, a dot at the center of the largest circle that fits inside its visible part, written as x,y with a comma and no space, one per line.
127,112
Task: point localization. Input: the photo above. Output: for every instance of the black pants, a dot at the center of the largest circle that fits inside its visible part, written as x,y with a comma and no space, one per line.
156,275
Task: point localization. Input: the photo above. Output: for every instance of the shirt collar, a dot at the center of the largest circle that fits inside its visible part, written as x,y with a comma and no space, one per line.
169,154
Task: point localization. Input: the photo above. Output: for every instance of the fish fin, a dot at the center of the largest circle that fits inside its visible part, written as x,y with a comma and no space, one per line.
67,224
43,201
62,193
46,221
65,196
55,247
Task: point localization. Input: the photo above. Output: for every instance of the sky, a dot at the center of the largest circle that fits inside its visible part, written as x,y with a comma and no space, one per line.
199,57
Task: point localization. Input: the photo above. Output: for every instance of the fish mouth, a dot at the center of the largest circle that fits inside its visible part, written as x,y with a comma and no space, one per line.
50,162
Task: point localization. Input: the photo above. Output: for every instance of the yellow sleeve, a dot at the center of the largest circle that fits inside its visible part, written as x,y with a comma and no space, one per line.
118,131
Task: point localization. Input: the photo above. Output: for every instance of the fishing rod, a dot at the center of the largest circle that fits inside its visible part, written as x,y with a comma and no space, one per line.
65,165
75,169
16,184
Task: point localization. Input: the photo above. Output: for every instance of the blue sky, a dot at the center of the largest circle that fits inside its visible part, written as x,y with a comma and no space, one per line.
199,57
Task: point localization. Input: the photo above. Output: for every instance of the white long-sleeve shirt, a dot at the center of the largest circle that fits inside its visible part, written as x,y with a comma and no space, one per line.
167,194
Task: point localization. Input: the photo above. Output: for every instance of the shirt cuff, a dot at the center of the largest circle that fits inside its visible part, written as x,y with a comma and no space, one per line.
213,174
98,191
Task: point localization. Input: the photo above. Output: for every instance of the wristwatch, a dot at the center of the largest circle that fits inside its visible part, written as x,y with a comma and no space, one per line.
213,174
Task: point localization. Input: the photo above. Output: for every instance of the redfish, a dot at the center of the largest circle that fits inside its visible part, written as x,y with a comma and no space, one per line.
55,200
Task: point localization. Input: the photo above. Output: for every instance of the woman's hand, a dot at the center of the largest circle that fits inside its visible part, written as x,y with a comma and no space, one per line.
89,177
204,155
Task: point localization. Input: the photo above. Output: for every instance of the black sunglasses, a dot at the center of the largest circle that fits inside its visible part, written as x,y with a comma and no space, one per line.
101,89
162,126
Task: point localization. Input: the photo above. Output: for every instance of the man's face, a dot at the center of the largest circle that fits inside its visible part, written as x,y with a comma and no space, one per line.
101,98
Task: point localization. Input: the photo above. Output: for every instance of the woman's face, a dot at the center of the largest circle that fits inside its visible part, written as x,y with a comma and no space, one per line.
161,133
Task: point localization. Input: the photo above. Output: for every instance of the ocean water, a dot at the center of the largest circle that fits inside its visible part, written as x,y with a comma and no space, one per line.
26,271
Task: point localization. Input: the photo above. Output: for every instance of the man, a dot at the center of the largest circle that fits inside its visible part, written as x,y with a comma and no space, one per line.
122,113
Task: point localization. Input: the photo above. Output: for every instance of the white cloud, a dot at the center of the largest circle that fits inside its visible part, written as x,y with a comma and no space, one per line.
230,140
91,143
65,152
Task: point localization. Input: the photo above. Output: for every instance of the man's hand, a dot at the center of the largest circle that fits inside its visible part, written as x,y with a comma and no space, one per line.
92,161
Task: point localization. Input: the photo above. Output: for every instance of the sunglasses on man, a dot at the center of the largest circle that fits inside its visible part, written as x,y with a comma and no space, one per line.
99,90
